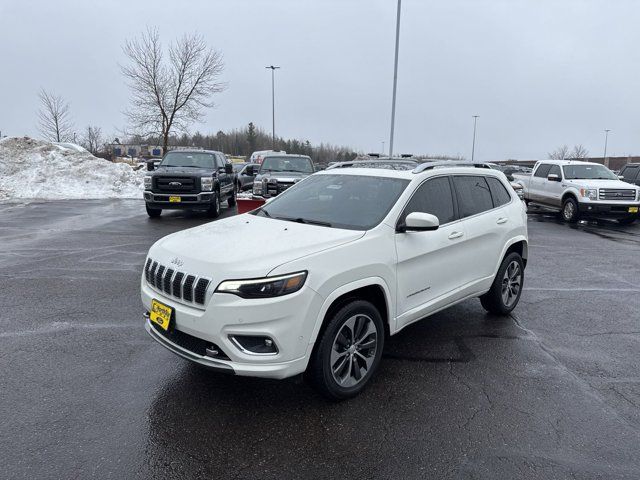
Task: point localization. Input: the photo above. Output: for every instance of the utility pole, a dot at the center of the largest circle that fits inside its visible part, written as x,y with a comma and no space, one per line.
382,148
395,79
273,106
473,145
606,137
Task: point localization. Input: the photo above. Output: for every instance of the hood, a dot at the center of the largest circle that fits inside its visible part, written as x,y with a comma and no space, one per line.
244,246
169,171
283,176
589,183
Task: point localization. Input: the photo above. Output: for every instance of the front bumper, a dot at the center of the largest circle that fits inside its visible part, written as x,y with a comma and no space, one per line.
187,200
289,321
615,210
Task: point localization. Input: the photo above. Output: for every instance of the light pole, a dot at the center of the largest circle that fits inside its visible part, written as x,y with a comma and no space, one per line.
606,137
395,79
473,145
273,107
382,148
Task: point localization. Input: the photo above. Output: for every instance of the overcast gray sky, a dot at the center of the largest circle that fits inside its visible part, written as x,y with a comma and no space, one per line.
539,73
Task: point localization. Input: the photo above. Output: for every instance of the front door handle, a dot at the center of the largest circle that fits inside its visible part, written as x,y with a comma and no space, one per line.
455,235
502,220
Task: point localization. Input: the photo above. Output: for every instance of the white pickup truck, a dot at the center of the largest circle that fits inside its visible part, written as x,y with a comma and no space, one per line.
580,190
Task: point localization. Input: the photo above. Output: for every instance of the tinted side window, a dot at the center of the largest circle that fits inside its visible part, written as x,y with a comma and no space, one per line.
473,195
435,197
555,170
543,170
498,192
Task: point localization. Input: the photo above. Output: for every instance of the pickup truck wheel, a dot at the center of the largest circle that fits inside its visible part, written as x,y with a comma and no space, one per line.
627,220
507,286
570,210
348,351
153,212
231,201
214,209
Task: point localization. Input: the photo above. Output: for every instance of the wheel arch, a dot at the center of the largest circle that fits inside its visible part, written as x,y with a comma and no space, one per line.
374,290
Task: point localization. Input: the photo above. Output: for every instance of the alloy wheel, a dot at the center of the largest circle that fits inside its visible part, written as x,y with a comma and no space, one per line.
354,350
511,284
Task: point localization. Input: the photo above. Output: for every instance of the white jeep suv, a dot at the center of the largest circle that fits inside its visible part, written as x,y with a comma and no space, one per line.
346,257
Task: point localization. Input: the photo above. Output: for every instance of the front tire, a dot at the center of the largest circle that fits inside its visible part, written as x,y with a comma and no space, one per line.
627,220
348,351
214,209
153,212
507,286
570,211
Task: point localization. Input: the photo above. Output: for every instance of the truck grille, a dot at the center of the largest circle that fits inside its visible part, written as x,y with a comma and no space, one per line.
282,186
177,184
617,194
273,188
181,285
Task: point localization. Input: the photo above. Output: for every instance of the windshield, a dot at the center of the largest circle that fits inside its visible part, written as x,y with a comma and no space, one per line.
188,159
355,202
287,164
592,172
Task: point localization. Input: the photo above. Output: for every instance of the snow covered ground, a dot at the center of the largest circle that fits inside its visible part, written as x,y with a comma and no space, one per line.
42,170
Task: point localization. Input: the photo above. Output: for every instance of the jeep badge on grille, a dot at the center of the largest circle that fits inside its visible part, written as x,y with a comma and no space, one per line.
176,261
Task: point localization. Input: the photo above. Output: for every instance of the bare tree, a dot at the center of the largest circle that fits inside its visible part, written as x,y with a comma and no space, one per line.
92,139
559,153
579,152
170,95
54,120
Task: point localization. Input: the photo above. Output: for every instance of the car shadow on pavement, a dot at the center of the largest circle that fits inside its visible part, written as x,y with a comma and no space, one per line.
201,421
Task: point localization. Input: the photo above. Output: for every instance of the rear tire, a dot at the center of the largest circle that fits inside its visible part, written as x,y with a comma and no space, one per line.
507,286
153,212
214,209
348,351
231,201
570,211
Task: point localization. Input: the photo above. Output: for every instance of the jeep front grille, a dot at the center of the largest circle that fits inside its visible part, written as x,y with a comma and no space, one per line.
626,194
188,288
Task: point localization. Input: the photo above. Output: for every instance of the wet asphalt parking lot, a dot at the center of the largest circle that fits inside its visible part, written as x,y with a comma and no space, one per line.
552,391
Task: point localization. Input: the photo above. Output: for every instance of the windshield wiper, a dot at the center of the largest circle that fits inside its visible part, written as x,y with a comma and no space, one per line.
305,221
264,212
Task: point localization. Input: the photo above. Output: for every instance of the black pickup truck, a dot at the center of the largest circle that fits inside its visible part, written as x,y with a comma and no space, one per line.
190,179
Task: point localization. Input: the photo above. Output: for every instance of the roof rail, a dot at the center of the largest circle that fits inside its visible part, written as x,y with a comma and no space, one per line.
372,162
447,163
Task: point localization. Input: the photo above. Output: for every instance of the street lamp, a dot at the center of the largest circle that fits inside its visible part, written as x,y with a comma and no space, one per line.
473,146
606,137
395,79
273,107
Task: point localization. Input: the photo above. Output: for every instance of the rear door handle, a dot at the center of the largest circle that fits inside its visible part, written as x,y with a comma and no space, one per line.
502,220
455,235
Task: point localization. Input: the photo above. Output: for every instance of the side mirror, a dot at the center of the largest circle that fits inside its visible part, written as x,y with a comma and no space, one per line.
419,222
151,166
228,168
553,178
249,171
621,177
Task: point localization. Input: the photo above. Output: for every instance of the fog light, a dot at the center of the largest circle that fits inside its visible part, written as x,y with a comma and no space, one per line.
254,345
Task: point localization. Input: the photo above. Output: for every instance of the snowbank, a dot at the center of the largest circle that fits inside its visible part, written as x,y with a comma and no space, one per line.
35,169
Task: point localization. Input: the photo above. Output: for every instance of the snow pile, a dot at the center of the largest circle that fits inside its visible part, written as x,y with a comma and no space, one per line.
35,169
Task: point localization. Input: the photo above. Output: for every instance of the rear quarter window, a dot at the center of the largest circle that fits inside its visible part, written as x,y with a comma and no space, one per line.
499,192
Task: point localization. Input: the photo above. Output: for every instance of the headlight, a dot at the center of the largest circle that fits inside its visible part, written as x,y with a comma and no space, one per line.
590,193
264,287
147,182
257,188
206,183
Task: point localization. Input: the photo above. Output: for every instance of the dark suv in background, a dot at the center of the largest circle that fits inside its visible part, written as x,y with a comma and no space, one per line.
190,179
630,173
